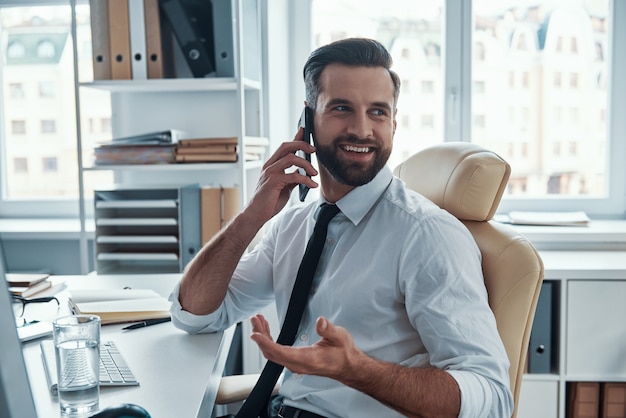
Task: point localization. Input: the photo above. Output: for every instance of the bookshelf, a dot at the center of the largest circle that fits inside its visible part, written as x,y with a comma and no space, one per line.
228,106
589,337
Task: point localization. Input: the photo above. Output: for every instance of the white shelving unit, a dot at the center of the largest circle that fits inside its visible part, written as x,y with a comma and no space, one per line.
202,107
590,332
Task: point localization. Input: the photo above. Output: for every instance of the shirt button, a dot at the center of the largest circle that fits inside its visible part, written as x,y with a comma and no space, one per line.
297,376
330,241
304,337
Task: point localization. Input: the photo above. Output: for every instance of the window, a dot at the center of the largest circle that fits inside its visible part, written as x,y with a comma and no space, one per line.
16,90
48,126
18,127
38,112
16,49
541,88
49,164
45,49
20,165
47,89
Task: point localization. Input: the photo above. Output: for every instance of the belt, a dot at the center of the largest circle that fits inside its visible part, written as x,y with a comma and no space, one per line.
291,412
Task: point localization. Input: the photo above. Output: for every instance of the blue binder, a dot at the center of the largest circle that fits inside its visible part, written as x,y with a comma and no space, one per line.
541,346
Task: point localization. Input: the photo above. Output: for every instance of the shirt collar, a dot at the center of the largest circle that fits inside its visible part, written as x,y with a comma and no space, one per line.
358,202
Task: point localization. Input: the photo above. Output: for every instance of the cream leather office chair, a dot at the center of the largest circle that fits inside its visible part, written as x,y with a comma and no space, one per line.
468,181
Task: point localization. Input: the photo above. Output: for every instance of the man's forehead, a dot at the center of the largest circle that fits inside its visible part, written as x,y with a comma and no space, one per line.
348,83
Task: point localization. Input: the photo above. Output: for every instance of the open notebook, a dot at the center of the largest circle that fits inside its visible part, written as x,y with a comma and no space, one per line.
120,305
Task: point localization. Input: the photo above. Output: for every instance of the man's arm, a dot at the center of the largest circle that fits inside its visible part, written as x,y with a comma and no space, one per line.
415,392
206,278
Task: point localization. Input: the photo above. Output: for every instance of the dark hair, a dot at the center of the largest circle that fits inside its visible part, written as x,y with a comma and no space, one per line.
359,52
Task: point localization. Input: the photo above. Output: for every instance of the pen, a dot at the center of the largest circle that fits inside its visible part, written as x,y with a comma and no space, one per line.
147,323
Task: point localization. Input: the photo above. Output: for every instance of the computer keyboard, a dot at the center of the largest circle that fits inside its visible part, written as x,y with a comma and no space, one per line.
114,370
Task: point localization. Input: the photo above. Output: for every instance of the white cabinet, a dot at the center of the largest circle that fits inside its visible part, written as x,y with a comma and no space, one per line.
539,398
596,330
590,332
202,107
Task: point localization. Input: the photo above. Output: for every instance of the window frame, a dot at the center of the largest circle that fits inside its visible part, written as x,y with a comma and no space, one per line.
458,27
457,111
37,208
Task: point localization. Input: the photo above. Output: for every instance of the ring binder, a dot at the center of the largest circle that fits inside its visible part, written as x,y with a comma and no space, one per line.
197,49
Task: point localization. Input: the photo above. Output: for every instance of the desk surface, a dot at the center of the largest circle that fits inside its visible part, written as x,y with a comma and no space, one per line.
178,373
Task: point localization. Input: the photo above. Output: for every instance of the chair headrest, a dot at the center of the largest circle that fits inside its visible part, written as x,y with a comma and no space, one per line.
460,177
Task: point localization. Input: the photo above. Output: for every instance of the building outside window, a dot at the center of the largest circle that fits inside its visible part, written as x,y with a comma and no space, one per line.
530,59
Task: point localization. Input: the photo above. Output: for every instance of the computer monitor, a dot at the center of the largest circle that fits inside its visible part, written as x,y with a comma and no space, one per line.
16,399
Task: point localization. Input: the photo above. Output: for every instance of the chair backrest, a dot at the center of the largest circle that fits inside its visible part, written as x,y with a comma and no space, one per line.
468,181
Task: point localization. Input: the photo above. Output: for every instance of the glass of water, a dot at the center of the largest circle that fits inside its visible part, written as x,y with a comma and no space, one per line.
76,342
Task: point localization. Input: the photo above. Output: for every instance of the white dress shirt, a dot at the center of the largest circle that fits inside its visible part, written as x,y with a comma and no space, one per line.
400,274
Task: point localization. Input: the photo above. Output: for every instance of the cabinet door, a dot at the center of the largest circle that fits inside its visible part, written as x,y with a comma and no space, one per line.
596,334
538,399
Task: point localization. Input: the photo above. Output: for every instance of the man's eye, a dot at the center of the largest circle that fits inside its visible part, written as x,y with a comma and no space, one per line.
379,112
341,108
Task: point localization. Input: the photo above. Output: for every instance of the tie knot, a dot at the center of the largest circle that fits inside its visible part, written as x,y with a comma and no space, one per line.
327,212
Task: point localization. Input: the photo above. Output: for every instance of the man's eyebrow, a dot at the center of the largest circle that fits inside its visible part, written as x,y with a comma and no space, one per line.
335,102
384,105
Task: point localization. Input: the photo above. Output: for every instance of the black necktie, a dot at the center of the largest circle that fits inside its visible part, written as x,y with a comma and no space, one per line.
258,398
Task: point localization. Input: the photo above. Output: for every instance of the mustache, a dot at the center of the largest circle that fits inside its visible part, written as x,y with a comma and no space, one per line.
354,140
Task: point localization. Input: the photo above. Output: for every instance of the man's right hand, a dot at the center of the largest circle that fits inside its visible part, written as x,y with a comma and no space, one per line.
279,178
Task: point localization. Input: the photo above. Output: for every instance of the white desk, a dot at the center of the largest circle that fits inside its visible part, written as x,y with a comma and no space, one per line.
178,373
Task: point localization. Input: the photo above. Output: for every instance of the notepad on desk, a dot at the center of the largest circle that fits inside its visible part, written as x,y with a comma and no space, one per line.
115,306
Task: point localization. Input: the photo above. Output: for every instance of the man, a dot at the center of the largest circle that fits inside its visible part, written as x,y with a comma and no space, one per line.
397,321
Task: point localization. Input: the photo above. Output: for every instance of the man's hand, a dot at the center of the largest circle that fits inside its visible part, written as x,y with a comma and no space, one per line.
329,357
412,391
278,177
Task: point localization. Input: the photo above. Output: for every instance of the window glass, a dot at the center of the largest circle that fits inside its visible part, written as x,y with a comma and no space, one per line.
545,64
39,158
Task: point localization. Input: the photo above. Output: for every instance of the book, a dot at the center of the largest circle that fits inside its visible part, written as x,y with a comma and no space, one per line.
613,400
119,40
203,142
29,291
218,206
137,154
119,305
154,48
575,218
540,349
137,34
207,149
99,13
25,279
583,399
168,136
206,158
187,26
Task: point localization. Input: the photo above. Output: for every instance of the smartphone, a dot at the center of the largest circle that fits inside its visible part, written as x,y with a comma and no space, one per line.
306,122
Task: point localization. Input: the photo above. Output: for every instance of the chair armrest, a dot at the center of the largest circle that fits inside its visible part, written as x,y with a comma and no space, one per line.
236,388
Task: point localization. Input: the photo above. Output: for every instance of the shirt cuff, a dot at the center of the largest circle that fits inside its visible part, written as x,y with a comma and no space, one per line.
188,322
476,394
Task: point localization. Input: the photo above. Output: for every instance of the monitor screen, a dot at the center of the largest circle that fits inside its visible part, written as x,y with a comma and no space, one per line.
16,400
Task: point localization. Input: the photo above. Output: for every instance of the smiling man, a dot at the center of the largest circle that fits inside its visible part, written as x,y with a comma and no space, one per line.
397,321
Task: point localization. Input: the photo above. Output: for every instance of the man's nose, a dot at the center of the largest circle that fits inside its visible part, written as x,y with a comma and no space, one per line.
360,126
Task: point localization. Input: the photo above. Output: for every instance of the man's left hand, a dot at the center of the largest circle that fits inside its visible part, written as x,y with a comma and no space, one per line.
331,356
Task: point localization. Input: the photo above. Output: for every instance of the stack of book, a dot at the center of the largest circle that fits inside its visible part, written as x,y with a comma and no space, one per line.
205,150
150,148
27,285
596,400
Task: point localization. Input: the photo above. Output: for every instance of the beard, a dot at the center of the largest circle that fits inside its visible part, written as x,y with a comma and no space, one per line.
351,173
